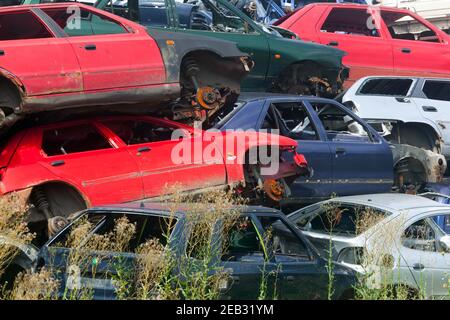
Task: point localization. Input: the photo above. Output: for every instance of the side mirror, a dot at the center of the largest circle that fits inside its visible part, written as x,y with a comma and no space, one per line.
444,242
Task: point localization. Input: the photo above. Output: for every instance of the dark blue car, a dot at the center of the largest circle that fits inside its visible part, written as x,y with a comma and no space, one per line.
348,157
261,242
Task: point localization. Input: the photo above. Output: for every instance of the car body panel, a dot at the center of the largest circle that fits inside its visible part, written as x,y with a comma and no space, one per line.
117,172
362,168
246,273
402,211
394,56
272,53
413,107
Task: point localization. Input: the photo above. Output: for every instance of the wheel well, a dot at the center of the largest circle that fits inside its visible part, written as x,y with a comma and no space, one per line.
16,90
409,171
309,74
406,133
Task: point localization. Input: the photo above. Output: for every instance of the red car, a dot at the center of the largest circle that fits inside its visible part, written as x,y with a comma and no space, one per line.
67,55
68,166
378,40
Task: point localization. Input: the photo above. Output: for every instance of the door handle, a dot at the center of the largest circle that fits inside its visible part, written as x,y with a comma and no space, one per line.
2,52
418,266
144,149
90,47
58,163
429,109
290,278
333,43
340,150
406,50
235,279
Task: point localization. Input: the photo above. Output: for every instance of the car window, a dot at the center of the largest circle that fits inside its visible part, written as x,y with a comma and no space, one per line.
349,21
437,90
82,22
137,132
386,87
420,236
292,120
242,241
339,125
22,25
80,138
403,26
340,219
146,227
281,241
210,15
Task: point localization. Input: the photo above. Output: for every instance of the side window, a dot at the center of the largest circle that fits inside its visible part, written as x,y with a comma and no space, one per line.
291,119
339,125
282,241
84,23
386,87
420,236
437,90
349,21
402,26
211,15
74,139
137,132
242,241
145,228
21,26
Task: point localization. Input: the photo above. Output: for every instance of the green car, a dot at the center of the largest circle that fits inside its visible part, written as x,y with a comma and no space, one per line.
282,64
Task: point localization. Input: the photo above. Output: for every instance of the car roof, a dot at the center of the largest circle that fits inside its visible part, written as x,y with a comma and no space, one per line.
402,77
178,210
46,5
394,202
357,5
256,96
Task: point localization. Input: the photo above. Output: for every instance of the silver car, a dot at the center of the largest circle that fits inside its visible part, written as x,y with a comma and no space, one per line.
390,239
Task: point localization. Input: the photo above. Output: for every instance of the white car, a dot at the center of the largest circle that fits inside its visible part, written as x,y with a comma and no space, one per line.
391,239
406,110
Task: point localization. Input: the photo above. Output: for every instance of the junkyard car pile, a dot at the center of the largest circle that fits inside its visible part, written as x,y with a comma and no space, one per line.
106,102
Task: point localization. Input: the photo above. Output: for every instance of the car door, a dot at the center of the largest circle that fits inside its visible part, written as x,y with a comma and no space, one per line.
432,99
82,155
357,32
412,41
292,119
165,160
219,19
37,55
362,160
244,257
299,273
111,55
427,259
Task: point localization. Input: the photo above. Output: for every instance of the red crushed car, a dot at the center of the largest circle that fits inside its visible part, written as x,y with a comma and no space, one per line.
68,166
68,55
378,40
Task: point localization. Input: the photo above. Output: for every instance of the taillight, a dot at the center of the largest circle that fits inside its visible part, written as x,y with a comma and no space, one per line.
300,160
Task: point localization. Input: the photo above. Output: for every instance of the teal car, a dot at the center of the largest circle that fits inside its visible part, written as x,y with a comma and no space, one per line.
282,64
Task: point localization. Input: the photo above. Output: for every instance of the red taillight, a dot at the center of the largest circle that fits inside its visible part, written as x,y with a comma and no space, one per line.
300,160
